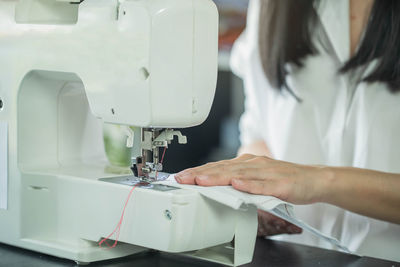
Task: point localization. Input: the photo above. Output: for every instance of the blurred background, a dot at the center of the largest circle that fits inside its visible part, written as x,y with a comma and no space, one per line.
218,137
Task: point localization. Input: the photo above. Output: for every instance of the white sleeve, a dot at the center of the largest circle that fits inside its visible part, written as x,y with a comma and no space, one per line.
250,121
244,60
247,41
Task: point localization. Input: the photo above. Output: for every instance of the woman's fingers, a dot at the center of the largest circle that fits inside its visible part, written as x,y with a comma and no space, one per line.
274,228
216,173
188,176
269,224
219,174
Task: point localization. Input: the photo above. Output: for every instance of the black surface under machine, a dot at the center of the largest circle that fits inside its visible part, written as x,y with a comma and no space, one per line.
267,253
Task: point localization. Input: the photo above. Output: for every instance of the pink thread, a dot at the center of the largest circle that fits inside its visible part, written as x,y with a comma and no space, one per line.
163,154
162,160
118,227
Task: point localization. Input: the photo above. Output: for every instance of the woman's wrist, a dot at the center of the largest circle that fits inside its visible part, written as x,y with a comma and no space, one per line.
324,178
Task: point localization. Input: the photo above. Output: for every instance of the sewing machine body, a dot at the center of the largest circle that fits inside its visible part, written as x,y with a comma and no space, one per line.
67,68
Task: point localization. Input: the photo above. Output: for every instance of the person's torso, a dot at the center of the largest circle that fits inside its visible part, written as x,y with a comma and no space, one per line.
338,122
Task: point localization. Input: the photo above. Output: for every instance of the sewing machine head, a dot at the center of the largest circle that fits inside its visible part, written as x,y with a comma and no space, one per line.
153,65
166,80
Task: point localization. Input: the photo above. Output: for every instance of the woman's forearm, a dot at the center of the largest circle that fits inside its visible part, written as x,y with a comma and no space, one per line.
371,193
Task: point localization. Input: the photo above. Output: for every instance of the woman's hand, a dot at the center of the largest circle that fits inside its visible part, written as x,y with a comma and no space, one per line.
298,184
269,225
367,192
257,175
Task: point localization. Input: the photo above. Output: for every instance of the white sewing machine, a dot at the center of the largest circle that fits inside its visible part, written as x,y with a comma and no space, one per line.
67,67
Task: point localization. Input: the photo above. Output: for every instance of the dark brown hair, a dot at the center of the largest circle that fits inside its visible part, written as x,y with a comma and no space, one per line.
286,36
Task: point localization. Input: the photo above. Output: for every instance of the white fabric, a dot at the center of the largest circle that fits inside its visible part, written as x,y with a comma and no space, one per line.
338,123
231,197
235,199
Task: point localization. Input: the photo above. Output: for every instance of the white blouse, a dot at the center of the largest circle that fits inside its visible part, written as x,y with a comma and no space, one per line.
338,123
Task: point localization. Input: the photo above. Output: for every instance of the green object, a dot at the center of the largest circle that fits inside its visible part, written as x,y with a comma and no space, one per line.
115,145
